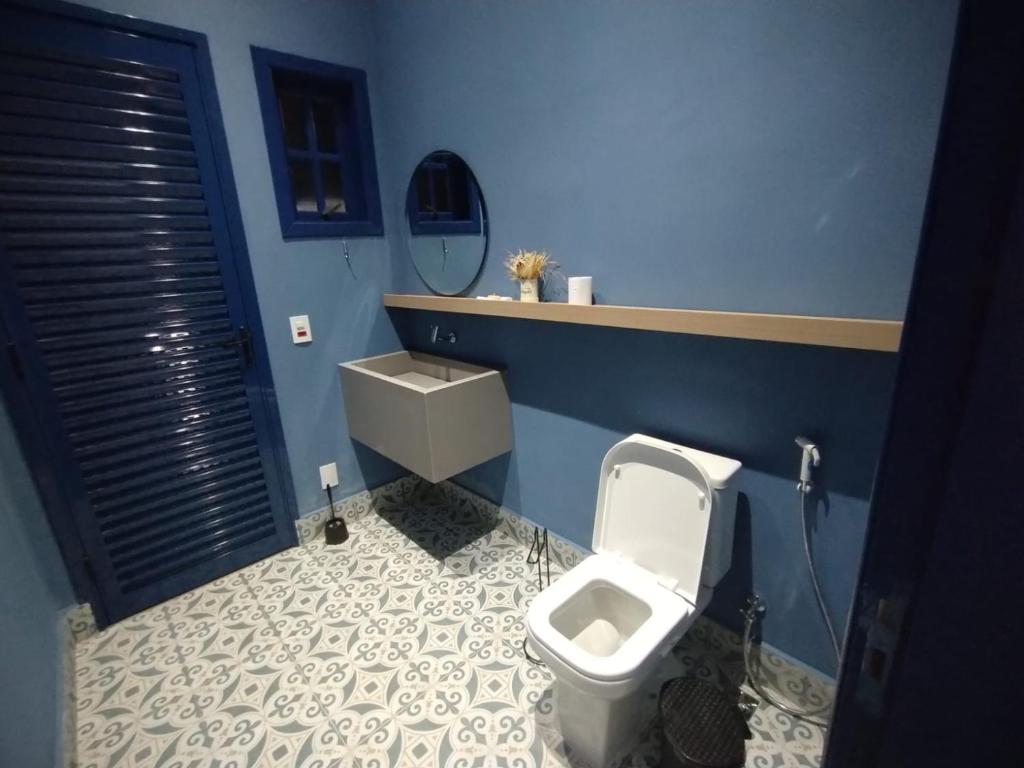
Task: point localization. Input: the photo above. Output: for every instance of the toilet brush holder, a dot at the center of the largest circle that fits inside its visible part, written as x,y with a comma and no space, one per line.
335,531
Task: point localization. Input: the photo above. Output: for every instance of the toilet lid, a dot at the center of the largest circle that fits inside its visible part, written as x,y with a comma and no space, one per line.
654,508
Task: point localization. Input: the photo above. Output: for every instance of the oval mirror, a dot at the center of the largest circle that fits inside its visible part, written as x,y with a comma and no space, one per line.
447,223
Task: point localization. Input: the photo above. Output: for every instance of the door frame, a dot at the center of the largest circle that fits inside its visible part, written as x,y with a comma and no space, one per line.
22,412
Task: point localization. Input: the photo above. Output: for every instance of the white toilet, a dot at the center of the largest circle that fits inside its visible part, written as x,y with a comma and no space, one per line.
663,534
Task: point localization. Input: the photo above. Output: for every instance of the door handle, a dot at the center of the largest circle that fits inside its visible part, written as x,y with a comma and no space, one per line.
242,341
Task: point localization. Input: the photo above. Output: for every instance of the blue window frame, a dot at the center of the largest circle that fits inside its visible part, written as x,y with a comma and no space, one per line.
316,117
443,198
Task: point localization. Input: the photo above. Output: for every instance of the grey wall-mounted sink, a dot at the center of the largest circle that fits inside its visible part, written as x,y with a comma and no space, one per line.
434,416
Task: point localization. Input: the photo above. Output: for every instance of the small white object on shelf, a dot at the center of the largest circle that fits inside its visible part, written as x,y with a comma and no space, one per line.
580,290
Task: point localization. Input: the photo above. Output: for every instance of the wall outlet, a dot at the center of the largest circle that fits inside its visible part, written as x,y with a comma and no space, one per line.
328,475
301,332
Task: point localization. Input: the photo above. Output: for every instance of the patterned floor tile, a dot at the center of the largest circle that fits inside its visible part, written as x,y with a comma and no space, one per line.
428,692
400,647
493,734
139,752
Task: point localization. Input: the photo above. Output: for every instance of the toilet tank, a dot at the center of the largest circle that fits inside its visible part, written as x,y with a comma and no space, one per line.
721,473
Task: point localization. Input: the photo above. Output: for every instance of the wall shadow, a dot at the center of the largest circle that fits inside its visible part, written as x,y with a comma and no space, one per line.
433,527
738,582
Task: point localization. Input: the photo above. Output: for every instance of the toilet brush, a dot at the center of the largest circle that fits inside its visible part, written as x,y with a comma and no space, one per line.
335,532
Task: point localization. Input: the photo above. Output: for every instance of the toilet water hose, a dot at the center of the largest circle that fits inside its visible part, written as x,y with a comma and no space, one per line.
750,615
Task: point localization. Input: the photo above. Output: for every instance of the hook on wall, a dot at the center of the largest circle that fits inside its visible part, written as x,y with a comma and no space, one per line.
348,260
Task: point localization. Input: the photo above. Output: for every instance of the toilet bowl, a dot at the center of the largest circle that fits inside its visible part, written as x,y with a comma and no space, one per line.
663,534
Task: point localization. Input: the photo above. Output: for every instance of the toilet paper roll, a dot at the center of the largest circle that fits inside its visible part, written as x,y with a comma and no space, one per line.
580,290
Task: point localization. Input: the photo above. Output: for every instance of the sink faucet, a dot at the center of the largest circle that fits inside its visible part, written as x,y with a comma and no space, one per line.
436,335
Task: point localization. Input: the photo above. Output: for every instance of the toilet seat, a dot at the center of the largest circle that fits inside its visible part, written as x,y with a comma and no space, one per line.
670,613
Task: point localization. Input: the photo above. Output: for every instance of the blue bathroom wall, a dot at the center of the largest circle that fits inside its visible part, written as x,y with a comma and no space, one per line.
745,156
34,595
297,277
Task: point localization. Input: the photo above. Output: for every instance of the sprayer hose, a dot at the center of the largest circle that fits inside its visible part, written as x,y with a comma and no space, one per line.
814,577
808,716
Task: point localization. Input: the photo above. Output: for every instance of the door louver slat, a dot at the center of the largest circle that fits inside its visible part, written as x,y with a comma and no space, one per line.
170,419
130,443
100,349
147,395
168,422
104,204
71,58
85,150
164,301
155,461
137,238
68,185
97,169
154,395
84,74
175,537
136,532
90,115
118,414
183,487
134,482
60,129
124,540
224,544
105,225
56,327
153,452
73,93
163,286
112,515
138,258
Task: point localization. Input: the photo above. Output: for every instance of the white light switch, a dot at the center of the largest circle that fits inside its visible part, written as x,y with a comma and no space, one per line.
301,332
329,475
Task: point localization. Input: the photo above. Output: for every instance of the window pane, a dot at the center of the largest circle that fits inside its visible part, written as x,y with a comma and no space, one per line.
423,197
334,194
459,190
293,119
303,188
441,201
326,129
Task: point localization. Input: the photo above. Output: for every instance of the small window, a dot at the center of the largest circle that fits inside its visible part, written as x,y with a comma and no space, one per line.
316,117
443,198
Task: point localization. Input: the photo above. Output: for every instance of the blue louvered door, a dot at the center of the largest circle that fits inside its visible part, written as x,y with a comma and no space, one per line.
122,296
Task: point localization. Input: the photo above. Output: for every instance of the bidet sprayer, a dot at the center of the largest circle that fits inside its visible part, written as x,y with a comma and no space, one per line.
810,457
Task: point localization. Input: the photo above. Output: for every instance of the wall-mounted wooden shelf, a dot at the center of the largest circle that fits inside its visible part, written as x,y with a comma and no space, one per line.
849,333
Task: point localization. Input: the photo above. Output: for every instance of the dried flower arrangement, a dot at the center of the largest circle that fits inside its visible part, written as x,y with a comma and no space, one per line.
529,265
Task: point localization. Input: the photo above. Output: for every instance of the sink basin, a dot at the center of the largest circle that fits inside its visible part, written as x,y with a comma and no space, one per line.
434,416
